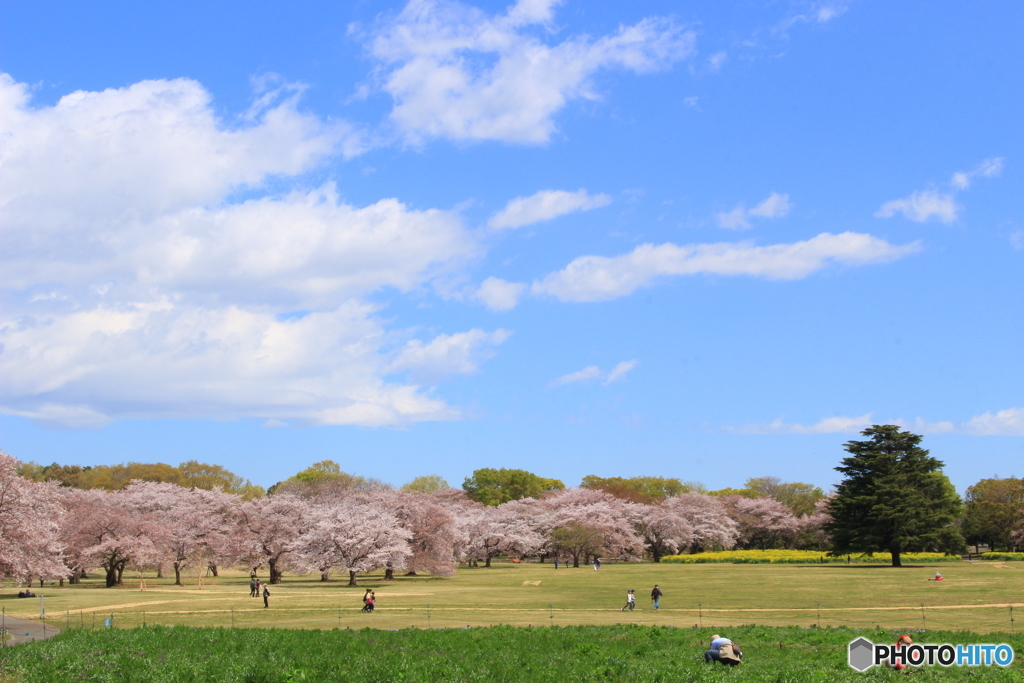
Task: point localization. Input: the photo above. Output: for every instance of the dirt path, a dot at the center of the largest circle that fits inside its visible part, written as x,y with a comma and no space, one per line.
26,630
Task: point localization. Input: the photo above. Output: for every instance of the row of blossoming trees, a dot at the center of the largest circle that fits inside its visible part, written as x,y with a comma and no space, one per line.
49,531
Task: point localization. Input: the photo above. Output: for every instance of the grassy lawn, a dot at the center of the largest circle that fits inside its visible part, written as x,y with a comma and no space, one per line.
506,654
974,596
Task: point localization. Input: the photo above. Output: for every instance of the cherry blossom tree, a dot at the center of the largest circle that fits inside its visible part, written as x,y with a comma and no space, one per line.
270,527
584,522
663,530
354,534
188,527
30,514
436,535
109,530
812,527
709,519
501,530
764,522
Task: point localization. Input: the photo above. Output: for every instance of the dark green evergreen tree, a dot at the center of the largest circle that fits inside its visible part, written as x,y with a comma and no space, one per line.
894,498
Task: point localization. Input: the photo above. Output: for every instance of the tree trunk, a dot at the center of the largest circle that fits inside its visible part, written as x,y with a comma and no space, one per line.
352,578
389,574
111,575
895,551
76,576
275,573
211,568
411,573
160,571
325,575
120,571
177,574
488,562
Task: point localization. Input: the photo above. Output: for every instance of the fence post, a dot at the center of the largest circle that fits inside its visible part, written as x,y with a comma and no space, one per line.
924,624
700,614
551,614
819,616
428,616
1011,619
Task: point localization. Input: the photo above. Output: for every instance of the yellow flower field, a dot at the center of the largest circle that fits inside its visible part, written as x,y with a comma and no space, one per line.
800,557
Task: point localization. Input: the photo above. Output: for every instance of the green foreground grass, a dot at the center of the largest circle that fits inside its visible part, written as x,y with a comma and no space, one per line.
975,596
575,653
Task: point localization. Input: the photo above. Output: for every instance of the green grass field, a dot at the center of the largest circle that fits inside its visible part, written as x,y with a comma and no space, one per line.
975,596
502,654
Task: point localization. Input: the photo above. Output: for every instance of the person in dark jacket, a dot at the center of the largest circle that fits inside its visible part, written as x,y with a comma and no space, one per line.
656,596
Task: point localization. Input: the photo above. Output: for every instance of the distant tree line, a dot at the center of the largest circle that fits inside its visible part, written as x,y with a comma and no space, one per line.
62,521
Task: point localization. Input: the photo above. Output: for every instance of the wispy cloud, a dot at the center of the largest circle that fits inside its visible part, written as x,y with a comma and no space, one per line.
924,205
828,425
775,206
544,206
602,278
593,373
1009,422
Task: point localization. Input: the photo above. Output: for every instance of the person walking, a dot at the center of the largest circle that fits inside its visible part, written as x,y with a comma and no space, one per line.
366,601
266,597
256,593
252,588
597,563
656,596
372,602
556,564
630,601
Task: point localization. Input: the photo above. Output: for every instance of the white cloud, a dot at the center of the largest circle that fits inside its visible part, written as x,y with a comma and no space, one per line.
454,354
922,206
545,205
136,152
733,220
620,370
827,12
828,425
456,72
601,278
162,359
1017,239
989,168
500,295
593,373
138,290
775,206
717,60
1008,422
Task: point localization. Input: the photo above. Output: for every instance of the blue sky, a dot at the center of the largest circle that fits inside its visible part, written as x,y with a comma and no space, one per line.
707,241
